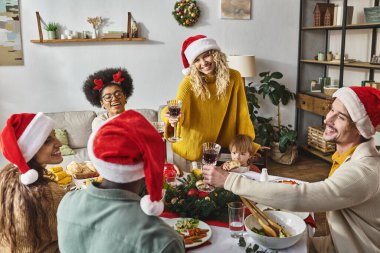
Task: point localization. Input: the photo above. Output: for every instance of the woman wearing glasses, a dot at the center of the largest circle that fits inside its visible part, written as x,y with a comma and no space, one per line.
109,88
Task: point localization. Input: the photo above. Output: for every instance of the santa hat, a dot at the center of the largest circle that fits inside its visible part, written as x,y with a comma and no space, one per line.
125,149
194,46
363,105
21,138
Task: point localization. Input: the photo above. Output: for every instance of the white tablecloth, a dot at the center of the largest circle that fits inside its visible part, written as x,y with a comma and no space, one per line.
221,241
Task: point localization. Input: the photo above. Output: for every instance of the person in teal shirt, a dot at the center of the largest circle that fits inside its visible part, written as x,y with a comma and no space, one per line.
110,216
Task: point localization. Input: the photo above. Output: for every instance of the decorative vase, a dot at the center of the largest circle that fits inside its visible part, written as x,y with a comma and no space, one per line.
51,35
95,34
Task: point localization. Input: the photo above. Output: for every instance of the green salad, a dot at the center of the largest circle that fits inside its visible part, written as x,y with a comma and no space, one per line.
183,225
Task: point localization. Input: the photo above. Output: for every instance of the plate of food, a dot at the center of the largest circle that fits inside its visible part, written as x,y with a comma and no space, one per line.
302,215
84,183
194,232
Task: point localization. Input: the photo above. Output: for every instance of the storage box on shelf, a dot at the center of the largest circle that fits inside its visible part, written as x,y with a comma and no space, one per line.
315,140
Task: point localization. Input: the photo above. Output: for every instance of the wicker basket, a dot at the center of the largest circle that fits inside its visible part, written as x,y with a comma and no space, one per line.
315,140
372,14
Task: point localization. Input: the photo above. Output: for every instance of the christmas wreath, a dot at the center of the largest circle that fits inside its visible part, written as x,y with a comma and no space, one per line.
186,12
187,201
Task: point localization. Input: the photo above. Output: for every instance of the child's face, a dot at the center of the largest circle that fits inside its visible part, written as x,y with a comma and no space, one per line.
242,157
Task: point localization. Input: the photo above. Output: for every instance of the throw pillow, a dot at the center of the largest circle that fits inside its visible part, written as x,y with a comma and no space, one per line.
61,135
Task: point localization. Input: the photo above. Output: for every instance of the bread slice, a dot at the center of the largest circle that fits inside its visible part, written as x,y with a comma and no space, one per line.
233,165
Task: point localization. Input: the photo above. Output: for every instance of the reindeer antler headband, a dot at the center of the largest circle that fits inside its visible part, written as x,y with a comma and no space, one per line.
117,79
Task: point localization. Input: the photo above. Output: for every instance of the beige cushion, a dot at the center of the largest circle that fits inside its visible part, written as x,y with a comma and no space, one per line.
149,114
77,125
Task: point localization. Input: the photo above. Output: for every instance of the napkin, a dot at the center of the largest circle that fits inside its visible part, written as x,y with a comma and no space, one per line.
310,221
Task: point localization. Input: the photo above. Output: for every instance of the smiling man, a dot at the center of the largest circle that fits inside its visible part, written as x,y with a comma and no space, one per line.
350,196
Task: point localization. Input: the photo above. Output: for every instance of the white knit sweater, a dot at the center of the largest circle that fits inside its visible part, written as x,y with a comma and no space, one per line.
351,198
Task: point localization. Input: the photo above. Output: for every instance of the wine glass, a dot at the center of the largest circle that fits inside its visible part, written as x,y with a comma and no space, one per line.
174,112
210,156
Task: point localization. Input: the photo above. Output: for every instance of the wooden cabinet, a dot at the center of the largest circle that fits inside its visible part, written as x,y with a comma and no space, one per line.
313,106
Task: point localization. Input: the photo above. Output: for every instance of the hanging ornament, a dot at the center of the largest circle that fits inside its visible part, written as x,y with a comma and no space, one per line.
186,12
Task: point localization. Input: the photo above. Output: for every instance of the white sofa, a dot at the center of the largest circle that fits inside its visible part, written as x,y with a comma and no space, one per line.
78,127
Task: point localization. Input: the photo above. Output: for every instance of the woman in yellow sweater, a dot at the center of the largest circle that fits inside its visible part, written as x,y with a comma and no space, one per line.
214,105
28,201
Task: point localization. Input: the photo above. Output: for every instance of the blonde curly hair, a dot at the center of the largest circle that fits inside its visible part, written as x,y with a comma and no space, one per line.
222,73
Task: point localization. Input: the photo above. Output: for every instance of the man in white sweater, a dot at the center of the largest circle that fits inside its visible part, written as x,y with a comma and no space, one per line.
351,193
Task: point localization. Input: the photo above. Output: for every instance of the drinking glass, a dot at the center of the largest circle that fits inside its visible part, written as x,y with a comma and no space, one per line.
160,127
210,156
170,175
236,219
174,112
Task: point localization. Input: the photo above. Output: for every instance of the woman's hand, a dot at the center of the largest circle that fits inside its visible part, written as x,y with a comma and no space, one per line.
172,121
214,176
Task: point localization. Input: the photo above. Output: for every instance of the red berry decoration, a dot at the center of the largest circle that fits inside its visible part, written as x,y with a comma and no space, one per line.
192,192
203,194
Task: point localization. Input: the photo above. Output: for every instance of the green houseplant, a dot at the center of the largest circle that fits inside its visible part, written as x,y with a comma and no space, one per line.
282,139
51,29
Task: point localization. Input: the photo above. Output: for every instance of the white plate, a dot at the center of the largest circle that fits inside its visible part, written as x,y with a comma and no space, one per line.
201,225
302,215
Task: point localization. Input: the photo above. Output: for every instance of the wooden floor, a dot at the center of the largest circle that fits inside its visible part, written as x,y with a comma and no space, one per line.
307,168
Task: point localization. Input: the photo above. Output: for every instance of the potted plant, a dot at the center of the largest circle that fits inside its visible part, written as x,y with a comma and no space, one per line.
51,29
281,139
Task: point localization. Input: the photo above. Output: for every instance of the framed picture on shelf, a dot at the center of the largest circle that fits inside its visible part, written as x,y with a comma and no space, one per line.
315,86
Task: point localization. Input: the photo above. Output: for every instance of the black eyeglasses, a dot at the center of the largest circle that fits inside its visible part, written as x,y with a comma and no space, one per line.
117,94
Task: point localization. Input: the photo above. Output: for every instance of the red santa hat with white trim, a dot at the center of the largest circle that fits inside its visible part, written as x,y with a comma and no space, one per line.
21,138
127,148
192,47
363,105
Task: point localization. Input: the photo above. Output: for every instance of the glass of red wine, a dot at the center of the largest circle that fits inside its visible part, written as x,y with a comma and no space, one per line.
174,113
210,157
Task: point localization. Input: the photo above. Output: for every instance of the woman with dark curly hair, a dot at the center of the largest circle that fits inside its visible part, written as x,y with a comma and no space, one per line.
109,88
28,200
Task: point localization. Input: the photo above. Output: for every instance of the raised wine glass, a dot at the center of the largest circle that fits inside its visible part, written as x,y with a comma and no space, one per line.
174,113
210,157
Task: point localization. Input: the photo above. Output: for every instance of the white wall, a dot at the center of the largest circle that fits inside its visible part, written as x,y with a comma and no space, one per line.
52,75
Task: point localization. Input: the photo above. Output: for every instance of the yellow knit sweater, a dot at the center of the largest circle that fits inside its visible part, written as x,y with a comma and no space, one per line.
211,120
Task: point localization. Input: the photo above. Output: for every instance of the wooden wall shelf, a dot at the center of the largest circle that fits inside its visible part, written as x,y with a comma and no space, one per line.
338,27
87,40
363,65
